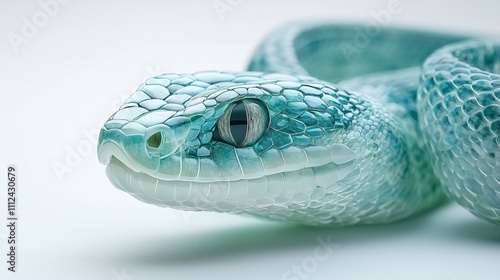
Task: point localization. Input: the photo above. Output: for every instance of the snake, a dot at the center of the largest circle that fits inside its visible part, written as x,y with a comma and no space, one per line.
331,124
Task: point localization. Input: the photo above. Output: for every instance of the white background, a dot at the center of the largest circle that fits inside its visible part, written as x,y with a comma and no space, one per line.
75,69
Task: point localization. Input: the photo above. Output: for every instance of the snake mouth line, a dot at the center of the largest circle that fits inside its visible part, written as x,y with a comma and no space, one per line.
191,195
296,184
197,170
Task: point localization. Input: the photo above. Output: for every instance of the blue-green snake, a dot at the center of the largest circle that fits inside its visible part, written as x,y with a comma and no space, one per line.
332,125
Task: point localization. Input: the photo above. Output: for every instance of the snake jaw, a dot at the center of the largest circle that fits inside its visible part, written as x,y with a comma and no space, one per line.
282,193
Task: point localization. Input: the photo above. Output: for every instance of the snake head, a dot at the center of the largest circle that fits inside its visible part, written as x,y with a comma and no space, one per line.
247,142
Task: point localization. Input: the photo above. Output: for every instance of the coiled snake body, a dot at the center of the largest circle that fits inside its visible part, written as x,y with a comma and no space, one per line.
324,129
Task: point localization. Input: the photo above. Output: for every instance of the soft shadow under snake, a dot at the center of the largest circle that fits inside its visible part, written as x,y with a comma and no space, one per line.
225,243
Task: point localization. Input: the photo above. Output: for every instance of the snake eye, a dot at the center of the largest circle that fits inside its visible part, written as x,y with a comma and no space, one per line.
243,123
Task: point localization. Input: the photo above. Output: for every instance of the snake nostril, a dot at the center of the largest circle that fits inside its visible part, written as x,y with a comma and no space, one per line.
154,141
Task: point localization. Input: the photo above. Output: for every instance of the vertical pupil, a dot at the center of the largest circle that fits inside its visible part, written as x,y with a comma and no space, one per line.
238,123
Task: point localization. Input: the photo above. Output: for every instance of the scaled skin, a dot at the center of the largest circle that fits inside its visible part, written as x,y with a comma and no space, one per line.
329,155
326,158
